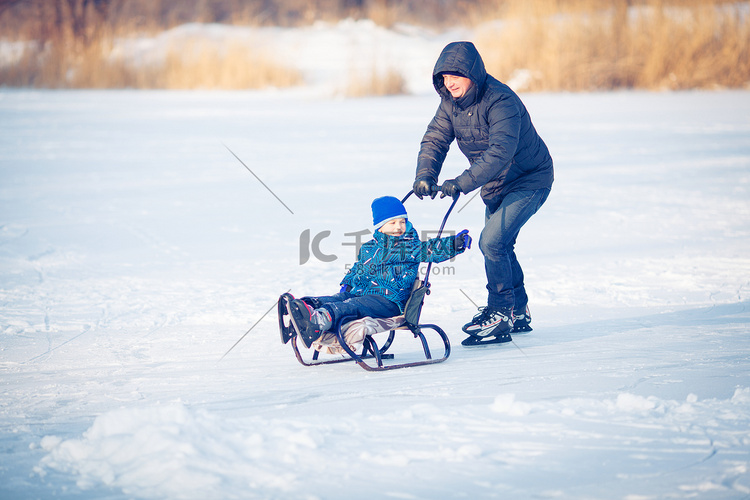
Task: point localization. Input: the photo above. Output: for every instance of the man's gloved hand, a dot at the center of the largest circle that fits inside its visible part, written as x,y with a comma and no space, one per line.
450,188
462,241
425,187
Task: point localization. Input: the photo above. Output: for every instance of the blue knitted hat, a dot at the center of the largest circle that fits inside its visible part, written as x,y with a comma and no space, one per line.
386,208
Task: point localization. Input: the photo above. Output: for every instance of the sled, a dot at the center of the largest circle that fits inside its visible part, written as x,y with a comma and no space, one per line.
353,340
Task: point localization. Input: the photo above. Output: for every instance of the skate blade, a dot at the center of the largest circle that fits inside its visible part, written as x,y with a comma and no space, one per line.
477,342
286,329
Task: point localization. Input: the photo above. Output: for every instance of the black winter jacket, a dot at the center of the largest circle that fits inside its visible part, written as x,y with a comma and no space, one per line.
492,128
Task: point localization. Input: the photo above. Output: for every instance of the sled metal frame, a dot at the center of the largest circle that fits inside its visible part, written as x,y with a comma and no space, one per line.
370,349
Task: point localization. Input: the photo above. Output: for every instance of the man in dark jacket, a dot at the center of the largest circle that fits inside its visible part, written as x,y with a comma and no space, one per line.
507,159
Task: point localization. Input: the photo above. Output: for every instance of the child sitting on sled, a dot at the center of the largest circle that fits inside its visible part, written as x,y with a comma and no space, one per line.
380,282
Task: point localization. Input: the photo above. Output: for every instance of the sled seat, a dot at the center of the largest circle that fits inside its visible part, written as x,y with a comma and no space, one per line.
355,332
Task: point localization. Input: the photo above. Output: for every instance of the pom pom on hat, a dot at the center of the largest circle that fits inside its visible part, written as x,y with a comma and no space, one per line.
387,208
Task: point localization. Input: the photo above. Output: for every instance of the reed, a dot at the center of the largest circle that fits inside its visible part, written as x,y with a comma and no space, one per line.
194,65
375,83
236,66
536,45
579,46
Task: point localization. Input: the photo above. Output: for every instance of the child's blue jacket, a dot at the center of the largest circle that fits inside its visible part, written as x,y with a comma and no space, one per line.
388,265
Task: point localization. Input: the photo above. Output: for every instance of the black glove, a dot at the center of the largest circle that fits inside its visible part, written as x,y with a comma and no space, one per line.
450,188
462,241
425,187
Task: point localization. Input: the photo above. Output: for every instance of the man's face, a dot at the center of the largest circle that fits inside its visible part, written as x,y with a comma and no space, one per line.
456,85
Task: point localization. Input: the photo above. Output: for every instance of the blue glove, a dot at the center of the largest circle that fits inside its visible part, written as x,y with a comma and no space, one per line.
462,241
345,288
450,188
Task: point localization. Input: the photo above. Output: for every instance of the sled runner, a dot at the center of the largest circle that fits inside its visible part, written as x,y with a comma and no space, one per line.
352,340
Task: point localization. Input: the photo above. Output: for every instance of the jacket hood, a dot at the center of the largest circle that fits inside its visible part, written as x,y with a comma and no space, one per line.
462,58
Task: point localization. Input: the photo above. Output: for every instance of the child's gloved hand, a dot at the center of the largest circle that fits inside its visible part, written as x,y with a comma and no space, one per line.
462,241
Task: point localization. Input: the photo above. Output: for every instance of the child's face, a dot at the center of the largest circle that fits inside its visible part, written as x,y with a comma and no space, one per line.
395,227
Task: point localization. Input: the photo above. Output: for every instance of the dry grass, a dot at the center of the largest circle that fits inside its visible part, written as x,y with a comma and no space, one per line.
376,83
231,67
578,45
191,66
569,45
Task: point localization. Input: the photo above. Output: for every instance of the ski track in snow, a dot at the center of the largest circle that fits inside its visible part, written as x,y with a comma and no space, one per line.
136,251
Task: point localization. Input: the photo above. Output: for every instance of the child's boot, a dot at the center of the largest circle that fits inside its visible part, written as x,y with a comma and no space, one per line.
322,318
310,323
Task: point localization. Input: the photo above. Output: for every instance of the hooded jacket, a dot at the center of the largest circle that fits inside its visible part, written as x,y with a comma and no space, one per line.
388,265
492,128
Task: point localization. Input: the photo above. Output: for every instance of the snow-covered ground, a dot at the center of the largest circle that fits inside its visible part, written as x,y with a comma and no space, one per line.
135,250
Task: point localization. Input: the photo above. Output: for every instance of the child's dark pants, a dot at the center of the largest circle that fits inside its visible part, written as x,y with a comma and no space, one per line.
345,305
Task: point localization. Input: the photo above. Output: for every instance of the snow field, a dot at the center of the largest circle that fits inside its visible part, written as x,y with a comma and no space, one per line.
136,250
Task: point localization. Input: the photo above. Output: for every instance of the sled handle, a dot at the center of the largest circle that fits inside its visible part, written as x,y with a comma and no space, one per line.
435,189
